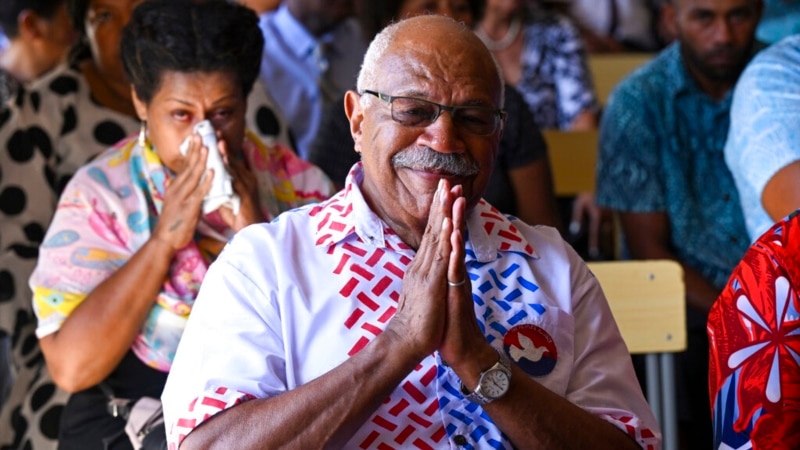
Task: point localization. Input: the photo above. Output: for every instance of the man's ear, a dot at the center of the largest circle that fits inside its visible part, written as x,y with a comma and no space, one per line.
139,105
668,21
355,114
28,24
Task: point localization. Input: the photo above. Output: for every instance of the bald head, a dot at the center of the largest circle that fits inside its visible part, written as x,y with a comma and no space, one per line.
424,35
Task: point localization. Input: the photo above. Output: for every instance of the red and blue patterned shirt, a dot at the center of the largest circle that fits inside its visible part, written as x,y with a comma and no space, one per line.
754,331
291,300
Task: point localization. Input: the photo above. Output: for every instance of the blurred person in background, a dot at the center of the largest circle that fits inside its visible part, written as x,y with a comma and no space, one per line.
781,19
614,26
312,53
37,35
661,167
543,56
763,146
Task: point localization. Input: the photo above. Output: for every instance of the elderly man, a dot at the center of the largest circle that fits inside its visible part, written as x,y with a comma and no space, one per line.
661,167
407,312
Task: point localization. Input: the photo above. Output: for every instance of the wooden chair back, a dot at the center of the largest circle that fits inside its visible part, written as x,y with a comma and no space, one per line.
608,69
573,157
647,299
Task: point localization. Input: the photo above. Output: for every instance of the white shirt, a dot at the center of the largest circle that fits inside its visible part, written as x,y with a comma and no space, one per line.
288,301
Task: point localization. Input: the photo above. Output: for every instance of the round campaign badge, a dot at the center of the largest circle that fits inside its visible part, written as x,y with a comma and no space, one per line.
532,349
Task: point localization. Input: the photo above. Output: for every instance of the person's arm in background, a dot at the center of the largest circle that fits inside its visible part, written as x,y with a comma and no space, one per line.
763,146
648,237
640,202
781,194
584,121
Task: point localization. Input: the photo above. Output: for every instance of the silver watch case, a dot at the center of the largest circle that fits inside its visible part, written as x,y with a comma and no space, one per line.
493,382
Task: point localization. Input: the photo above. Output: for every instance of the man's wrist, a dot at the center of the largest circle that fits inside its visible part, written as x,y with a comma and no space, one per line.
470,370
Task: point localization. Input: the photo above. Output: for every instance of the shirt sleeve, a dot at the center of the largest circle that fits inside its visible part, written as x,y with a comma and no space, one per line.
603,381
629,172
764,134
754,347
85,243
232,311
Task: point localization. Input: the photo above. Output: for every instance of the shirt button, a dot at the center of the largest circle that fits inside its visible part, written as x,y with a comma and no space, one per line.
460,440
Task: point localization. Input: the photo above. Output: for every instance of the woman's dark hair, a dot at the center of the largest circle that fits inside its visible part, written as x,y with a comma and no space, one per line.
11,9
375,15
190,36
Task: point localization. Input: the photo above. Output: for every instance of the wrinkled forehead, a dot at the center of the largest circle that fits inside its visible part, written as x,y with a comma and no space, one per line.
456,74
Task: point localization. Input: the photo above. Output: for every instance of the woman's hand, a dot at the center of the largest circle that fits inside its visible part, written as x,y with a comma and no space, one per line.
245,185
183,199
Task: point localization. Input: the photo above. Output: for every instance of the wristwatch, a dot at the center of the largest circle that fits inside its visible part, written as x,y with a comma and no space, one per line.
493,382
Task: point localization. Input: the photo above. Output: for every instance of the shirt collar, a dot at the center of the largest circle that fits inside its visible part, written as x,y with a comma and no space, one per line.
347,216
680,80
303,43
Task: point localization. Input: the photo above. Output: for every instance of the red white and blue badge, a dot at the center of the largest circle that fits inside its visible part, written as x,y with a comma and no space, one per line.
532,349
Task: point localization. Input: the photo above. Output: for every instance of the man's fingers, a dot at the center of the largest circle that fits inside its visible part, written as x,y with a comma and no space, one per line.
456,272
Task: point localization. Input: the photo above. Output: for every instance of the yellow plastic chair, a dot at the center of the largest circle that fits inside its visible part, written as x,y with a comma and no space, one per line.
608,69
647,299
573,157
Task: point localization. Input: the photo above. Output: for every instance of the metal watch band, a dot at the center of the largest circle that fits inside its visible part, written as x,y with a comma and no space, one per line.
477,396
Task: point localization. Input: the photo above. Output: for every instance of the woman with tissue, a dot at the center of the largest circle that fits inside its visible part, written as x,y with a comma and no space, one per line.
136,229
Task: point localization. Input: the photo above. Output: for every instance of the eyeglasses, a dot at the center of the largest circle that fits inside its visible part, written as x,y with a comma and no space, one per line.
416,112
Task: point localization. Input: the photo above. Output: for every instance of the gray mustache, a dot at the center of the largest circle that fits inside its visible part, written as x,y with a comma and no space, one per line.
424,158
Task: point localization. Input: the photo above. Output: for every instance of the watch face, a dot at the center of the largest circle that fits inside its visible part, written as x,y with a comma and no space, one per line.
494,383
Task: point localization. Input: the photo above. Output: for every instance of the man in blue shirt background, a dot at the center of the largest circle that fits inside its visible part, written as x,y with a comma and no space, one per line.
312,54
661,168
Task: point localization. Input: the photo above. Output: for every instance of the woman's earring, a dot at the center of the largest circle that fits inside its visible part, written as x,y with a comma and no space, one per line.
143,134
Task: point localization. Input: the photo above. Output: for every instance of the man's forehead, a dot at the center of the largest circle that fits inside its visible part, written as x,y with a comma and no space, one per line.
713,5
419,71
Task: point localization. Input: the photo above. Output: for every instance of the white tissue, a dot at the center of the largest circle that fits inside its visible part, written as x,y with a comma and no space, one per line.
221,193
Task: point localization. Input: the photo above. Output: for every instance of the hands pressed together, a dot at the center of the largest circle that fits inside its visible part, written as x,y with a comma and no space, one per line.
436,310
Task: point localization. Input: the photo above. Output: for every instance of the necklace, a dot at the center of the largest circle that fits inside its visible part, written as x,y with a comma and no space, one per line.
505,41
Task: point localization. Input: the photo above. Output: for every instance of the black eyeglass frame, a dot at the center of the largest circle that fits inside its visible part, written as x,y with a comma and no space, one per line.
499,114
